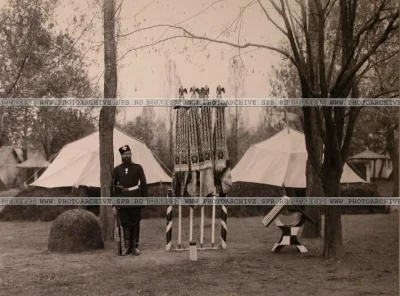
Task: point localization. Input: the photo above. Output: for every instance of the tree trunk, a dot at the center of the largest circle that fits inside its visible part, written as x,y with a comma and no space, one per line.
314,189
314,185
236,135
335,148
333,243
393,150
107,117
25,134
171,139
106,123
25,143
331,172
2,131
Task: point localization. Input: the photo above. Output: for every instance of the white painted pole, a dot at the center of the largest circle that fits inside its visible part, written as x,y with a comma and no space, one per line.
213,223
202,227
180,227
191,225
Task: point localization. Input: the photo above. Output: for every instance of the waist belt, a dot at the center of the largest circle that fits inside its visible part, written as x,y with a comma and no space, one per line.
131,188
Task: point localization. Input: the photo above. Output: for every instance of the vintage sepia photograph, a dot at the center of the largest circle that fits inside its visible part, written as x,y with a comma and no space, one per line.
199,147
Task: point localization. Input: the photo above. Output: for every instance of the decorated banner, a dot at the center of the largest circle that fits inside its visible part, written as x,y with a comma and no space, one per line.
201,166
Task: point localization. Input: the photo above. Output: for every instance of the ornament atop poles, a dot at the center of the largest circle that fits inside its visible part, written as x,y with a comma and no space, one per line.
182,91
204,92
220,90
193,91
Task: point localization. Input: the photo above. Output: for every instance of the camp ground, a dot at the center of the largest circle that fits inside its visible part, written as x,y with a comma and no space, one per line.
244,262
238,249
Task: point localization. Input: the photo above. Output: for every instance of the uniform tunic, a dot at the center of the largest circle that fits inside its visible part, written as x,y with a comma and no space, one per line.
129,175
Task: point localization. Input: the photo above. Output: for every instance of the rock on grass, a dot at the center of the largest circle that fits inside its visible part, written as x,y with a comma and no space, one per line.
75,231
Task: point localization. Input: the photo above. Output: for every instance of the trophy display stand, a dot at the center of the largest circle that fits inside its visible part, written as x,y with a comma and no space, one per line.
289,231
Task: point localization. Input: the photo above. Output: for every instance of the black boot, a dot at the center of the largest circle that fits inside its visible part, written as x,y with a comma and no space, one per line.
135,239
127,241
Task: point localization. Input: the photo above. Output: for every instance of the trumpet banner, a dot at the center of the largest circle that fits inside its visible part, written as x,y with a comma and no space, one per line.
201,164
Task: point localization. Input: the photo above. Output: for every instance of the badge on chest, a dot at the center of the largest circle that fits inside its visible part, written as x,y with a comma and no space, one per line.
126,171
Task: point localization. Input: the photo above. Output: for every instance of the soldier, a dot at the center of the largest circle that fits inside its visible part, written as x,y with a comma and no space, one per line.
129,180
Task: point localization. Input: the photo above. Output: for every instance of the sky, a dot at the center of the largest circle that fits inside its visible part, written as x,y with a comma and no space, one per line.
141,73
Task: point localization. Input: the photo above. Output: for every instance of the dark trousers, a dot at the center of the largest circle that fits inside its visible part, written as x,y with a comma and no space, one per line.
130,217
130,222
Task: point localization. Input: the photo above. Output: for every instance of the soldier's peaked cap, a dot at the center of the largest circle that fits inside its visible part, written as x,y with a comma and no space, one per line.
124,149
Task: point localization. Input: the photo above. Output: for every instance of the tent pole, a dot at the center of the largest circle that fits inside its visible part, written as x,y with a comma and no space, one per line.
367,171
287,122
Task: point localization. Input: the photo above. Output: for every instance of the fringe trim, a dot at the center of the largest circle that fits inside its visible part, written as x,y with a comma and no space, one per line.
221,149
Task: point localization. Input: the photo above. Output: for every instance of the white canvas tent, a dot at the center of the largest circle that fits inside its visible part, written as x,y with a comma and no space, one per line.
376,165
78,163
36,162
281,160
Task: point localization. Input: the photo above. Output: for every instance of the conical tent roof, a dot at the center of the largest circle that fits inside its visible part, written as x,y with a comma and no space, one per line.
78,163
281,160
36,161
368,154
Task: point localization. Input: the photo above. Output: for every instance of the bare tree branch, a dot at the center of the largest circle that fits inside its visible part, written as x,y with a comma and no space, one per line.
118,10
333,57
309,48
328,9
149,45
370,24
187,34
377,110
27,53
372,65
395,93
296,37
321,49
21,68
292,39
196,15
271,20
207,8
321,128
343,78
354,112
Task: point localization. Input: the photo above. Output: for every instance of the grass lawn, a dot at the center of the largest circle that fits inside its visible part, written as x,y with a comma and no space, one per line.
385,188
247,267
8,193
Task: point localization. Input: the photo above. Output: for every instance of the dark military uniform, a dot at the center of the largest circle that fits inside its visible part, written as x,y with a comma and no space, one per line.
131,176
